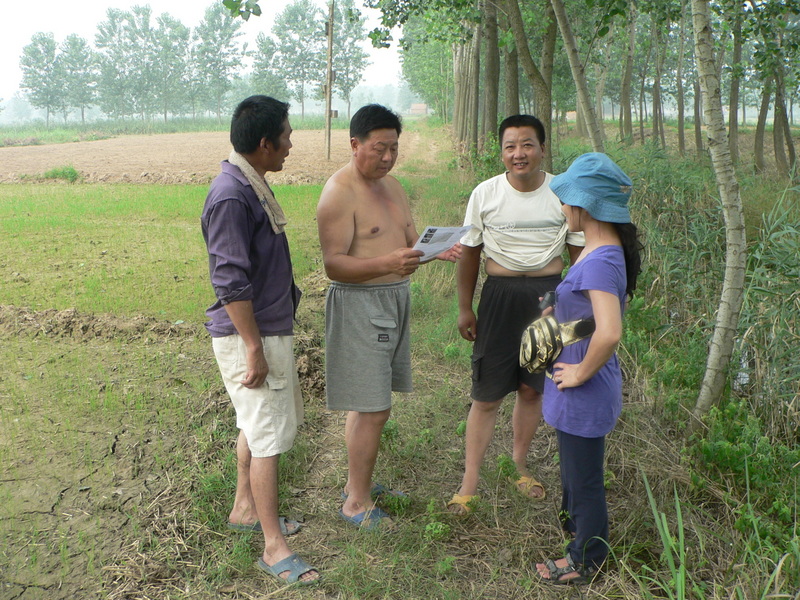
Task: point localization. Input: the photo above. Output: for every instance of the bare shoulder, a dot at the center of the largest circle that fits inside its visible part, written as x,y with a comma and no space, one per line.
337,189
395,188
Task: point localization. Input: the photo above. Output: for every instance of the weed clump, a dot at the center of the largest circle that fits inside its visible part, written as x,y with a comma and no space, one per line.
67,173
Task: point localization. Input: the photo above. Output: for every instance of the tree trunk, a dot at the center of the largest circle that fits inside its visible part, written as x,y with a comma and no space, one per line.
459,86
721,348
473,85
625,94
781,130
698,120
744,110
658,128
541,89
581,128
491,87
761,126
642,109
781,162
733,103
578,75
679,84
546,66
511,71
600,87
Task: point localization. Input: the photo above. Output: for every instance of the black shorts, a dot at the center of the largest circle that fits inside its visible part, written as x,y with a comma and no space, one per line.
506,308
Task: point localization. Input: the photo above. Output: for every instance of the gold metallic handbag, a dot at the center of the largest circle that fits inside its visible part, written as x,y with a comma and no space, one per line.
543,340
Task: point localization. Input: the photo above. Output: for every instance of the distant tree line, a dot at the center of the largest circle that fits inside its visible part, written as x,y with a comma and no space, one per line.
146,66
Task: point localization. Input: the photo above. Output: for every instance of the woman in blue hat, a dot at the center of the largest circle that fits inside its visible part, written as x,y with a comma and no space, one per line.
583,397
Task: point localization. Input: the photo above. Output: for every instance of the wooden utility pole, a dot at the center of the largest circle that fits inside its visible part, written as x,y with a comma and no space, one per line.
329,83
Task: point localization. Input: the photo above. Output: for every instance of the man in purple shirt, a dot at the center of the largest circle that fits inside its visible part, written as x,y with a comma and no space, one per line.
251,323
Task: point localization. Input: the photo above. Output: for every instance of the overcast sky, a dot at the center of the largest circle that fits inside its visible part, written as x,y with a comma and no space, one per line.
62,17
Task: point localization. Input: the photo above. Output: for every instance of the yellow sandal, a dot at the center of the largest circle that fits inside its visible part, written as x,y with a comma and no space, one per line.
525,484
461,505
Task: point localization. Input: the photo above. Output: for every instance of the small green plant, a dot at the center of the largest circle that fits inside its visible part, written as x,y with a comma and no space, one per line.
435,530
68,173
461,428
609,477
452,351
506,467
390,435
445,566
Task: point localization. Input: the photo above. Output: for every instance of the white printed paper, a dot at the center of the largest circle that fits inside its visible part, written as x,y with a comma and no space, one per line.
435,240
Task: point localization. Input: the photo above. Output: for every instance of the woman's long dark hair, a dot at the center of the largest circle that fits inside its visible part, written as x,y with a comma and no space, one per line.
631,248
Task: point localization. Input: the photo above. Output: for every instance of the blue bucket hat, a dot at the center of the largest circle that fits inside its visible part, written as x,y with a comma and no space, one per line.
595,183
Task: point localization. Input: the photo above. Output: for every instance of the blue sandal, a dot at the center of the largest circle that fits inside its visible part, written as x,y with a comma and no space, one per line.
369,519
379,490
256,527
296,567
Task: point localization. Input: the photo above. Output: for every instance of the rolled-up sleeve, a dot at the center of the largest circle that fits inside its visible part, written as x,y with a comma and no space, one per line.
576,238
473,218
228,238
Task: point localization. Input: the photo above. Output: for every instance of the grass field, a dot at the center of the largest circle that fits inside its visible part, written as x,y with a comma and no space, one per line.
116,456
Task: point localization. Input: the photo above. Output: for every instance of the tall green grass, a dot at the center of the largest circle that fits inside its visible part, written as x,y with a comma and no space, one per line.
670,325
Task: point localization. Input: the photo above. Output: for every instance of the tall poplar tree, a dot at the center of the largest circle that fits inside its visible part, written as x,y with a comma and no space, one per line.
300,32
217,53
721,347
171,69
79,68
267,76
349,58
116,84
41,77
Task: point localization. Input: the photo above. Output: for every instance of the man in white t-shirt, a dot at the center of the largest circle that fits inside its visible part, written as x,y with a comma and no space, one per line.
518,225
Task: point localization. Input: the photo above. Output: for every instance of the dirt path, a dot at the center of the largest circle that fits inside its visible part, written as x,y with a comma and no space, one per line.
177,158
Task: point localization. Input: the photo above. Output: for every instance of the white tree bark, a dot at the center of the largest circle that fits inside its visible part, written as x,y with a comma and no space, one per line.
721,349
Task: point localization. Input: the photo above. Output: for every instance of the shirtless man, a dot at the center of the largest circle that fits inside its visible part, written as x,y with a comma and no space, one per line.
366,233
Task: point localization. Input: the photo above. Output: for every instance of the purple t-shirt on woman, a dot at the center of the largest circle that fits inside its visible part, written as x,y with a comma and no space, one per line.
590,410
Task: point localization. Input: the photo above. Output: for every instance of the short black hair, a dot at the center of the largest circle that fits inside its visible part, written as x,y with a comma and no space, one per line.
522,121
255,118
371,117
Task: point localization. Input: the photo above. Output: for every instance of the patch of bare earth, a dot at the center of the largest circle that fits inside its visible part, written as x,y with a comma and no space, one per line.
76,475
176,158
